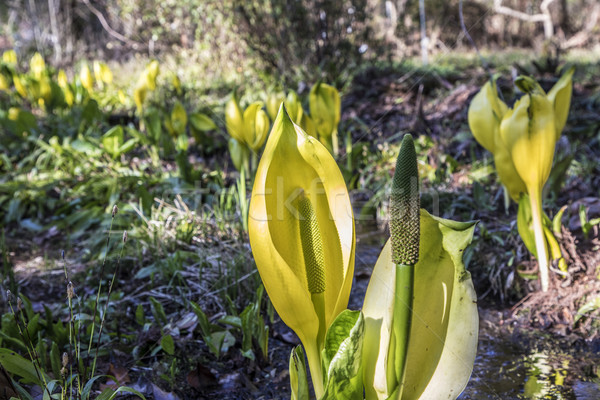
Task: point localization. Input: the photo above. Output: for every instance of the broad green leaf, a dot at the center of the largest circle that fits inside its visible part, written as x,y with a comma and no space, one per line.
19,366
524,224
342,356
179,119
112,140
557,221
168,344
298,379
202,122
590,306
443,338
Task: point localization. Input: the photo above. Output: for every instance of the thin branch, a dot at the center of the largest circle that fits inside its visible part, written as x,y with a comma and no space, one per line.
107,27
544,17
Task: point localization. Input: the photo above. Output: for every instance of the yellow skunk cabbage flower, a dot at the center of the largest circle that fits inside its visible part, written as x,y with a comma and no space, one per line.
560,97
522,140
307,125
325,109
19,86
139,95
273,102
256,126
485,115
234,119
10,57
176,82
249,127
294,107
4,83
37,65
85,76
150,74
443,333
63,83
529,132
301,230
102,73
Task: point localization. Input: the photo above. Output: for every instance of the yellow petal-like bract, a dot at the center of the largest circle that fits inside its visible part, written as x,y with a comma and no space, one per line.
294,166
325,108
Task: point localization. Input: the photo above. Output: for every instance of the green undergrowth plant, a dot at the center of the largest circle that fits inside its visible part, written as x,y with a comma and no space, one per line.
60,354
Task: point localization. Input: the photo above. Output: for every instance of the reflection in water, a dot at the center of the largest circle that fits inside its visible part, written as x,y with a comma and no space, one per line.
543,380
503,372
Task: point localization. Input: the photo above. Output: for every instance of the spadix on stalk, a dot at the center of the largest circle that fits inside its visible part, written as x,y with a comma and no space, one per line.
302,235
420,308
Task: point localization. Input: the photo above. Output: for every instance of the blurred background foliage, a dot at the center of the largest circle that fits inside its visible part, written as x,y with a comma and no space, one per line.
282,39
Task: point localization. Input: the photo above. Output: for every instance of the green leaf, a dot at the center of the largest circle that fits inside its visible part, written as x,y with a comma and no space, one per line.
524,224
158,311
112,140
55,359
168,344
590,306
140,318
342,356
557,221
202,122
298,380
444,329
179,119
17,365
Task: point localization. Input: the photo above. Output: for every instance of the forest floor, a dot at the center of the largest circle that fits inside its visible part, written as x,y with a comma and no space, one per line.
522,330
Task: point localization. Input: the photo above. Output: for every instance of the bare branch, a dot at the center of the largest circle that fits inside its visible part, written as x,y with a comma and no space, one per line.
544,17
107,27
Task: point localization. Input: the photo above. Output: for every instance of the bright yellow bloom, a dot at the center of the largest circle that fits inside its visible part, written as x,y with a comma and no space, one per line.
102,73
301,230
234,119
9,57
37,65
273,102
522,140
256,126
249,127
85,76
485,115
325,109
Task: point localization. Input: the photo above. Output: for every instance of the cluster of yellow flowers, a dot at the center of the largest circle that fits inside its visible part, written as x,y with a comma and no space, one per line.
249,128
522,140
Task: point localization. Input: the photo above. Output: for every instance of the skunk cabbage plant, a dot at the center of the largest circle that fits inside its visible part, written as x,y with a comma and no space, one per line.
522,140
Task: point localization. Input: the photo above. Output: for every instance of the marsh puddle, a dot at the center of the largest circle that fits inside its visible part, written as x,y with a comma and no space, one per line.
502,371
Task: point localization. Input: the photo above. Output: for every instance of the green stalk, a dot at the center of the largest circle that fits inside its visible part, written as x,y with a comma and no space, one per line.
405,236
334,144
402,319
535,198
316,371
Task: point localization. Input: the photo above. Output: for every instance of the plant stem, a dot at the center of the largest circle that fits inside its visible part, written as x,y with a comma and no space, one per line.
316,368
401,322
335,145
535,197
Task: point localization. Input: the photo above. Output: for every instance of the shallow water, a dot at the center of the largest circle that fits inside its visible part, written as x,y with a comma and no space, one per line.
504,371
